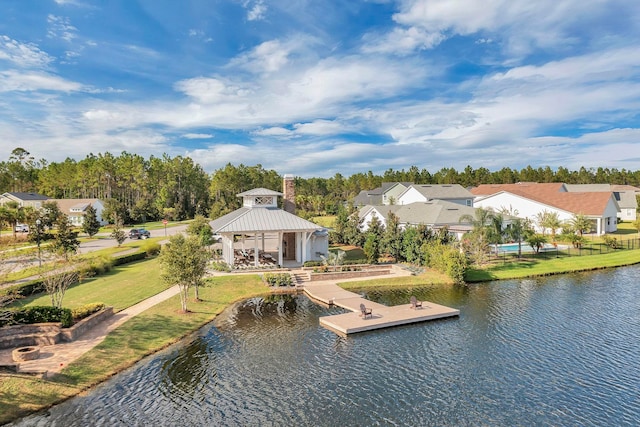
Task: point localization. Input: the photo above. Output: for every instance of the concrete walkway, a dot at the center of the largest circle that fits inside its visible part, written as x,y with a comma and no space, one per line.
54,358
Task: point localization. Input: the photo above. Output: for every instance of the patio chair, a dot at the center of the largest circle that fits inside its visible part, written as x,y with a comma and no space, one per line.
365,311
415,303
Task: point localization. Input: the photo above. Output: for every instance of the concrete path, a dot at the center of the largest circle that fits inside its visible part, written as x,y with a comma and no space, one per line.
54,358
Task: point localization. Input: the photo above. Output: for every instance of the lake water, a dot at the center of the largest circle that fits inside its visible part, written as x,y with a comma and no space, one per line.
559,351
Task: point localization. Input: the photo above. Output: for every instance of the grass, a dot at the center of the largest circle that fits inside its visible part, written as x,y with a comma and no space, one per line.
327,221
122,287
351,252
429,277
144,334
530,267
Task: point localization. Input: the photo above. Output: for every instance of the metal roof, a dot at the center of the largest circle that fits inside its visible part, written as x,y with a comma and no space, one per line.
257,219
259,192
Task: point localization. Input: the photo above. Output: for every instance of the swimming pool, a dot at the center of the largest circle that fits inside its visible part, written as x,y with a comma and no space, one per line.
513,247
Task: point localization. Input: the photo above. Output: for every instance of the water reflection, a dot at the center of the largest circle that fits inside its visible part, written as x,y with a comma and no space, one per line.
553,351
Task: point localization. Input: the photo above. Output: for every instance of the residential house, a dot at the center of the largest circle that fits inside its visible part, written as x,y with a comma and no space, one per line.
625,195
76,209
454,193
24,200
386,194
435,214
527,200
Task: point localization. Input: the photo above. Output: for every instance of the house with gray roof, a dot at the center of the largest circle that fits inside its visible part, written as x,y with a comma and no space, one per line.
386,194
454,193
435,214
23,199
265,229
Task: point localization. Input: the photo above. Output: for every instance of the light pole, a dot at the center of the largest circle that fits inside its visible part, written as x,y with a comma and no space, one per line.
38,222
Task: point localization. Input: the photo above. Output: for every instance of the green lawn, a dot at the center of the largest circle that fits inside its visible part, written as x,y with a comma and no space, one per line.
430,277
144,334
528,267
122,287
327,221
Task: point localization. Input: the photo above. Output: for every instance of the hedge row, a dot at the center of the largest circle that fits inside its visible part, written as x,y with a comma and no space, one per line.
39,314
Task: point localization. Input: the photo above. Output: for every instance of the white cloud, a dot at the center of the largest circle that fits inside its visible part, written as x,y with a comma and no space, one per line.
24,55
60,27
402,41
197,135
257,11
17,81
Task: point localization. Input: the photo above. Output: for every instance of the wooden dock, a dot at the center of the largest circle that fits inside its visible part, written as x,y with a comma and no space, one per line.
382,316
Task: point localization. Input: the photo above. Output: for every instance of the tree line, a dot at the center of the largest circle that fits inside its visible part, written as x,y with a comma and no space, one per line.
138,189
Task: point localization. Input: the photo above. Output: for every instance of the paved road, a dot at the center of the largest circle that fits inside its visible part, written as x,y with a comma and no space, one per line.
96,245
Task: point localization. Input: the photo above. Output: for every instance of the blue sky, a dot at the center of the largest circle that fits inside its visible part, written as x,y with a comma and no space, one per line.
314,88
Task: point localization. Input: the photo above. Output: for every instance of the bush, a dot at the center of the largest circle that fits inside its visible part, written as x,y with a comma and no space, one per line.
313,263
446,259
278,279
220,266
86,310
41,314
151,248
126,259
610,241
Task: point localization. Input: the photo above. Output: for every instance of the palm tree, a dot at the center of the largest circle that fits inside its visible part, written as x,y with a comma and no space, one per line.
479,238
581,224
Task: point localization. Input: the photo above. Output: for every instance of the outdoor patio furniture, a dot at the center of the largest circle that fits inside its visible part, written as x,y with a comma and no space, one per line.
415,303
365,311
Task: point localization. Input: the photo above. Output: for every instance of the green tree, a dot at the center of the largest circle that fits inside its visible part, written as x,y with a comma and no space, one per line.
536,241
580,223
66,240
476,242
184,263
372,248
518,231
57,283
118,233
91,225
392,237
200,227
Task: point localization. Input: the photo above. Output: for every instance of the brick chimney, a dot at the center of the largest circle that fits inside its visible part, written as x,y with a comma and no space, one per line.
289,194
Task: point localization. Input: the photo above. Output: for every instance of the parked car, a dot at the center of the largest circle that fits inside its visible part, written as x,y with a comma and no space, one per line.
139,233
22,228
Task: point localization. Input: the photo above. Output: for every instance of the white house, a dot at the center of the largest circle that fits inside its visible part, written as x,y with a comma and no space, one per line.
454,193
625,195
527,200
76,209
435,214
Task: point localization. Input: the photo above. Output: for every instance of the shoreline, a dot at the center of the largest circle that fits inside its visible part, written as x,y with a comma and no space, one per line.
80,377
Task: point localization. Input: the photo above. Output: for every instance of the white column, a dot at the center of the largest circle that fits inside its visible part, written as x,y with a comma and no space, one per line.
599,226
280,263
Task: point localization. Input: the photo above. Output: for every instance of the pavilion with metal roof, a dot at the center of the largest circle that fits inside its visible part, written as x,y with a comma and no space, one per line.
258,220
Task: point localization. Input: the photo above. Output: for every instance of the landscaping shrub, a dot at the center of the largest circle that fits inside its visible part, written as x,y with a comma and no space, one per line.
125,259
41,314
313,263
86,310
278,279
24,289
220,266
151,248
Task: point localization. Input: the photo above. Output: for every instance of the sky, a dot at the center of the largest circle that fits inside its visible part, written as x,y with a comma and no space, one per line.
315,88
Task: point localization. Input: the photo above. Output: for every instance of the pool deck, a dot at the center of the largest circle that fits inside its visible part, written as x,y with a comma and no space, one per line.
382,315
